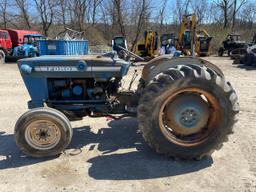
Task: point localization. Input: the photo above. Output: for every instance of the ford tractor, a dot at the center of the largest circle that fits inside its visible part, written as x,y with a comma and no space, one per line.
185,107
29,48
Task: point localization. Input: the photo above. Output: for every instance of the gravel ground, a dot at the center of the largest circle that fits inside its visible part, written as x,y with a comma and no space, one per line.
111,155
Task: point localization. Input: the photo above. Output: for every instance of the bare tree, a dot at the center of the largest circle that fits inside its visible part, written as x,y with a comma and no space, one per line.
181,8
105,20
80,9
115,12
46,13
143,7
93,7
225,6
200,8
23,7
237,6
102,19
162,13
63,4
248,15
119,16
4,13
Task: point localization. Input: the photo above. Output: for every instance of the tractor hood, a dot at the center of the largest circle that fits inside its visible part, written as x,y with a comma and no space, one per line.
23,47
100,67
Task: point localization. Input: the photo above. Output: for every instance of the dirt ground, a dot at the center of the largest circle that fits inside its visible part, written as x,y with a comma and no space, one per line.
111,155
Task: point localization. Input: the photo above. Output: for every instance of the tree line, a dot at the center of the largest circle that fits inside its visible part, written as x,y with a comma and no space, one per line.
103,19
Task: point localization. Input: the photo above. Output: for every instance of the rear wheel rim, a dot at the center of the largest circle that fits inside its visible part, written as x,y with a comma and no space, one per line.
42,134
193,125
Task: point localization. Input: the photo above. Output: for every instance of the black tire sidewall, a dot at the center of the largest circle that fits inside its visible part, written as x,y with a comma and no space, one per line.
2,56
249,59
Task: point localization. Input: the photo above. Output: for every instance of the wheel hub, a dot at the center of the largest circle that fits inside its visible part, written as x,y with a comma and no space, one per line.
186,114
42,134
189,117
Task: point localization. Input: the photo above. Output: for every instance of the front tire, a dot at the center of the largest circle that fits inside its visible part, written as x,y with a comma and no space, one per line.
220,51
43,132
2,56
187,112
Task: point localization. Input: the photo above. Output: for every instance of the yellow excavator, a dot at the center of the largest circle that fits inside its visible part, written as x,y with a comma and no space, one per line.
148,47
190,40
203,42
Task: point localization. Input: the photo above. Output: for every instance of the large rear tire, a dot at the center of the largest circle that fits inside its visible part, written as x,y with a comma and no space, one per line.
43,132
187,111
248,60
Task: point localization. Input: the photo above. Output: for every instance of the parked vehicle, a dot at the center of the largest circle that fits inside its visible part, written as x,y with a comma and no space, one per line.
203,43
167,44
11,43
185,107
29,48
250,57
190,40
233,41
245,55
117,44
17,36
148,46
5,44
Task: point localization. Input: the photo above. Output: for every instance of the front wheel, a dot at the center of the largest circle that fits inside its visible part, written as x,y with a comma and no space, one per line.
187,111
43,132
2,56
220,51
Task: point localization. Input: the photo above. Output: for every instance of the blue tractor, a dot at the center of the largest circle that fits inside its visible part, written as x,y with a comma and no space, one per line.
29,48
185,107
